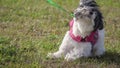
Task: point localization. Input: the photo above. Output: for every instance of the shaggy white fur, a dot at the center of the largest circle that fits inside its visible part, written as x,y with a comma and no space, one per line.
83,26
72,50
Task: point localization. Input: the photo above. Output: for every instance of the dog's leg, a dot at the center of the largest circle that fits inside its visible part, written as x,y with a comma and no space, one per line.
57,54
83,50
72,55
63,49
99,47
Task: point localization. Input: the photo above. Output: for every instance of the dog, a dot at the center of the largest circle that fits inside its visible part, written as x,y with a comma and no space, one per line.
86,35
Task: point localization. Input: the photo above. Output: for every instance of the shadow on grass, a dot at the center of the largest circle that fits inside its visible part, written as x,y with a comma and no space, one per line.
108,58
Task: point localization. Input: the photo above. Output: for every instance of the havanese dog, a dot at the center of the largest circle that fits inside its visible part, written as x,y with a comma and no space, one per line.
86,35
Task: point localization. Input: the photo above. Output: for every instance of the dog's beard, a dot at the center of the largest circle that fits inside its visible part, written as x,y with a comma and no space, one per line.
85,26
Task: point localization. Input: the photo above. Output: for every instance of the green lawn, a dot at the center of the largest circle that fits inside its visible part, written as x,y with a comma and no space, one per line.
29,29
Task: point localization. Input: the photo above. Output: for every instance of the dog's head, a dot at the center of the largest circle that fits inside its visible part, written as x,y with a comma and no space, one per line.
88,12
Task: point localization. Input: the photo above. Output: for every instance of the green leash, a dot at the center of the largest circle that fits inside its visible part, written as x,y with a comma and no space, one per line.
59,7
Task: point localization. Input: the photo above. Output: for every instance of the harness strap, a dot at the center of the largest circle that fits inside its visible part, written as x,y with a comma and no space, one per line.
93,37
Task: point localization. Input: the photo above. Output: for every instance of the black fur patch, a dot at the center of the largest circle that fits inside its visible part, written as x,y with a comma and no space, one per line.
91,4
98,20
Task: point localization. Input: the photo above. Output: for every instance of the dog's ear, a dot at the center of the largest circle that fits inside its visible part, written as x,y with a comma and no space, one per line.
98,21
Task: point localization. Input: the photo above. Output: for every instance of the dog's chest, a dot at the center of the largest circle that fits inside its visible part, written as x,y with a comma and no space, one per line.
92,37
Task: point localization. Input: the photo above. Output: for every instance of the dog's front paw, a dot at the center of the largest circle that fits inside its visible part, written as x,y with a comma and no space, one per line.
51,55
68,57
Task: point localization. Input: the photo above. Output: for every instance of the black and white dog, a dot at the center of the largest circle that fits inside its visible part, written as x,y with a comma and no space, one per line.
86,35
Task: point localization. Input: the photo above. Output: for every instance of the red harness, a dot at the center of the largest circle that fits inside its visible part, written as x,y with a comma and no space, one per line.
93,37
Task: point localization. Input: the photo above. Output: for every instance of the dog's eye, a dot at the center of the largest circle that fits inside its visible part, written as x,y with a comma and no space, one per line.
81,6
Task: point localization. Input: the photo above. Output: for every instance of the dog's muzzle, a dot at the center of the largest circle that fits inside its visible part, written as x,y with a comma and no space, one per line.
83,14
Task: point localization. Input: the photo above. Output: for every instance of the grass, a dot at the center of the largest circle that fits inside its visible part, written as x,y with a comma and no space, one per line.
29,29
